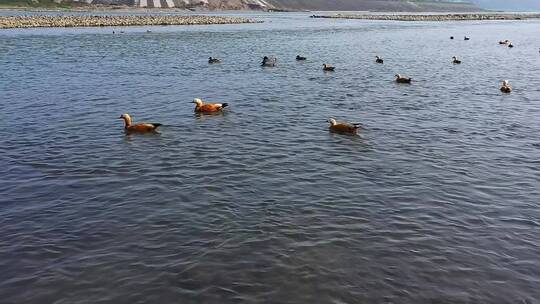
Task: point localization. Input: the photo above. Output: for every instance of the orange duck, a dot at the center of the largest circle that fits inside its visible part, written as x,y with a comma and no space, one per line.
140,127
201,107
343,127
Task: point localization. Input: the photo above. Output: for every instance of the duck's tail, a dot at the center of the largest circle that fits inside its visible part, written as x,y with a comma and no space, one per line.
156,125
223,105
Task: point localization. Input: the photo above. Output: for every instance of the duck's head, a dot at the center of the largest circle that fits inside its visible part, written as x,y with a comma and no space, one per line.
209,58
198,102
377,57
454,57
332,121
125,116
398,76
505,83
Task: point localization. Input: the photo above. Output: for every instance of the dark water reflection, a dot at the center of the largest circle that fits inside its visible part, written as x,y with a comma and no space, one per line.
436,201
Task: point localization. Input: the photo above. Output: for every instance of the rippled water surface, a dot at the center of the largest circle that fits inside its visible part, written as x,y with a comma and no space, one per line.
436,201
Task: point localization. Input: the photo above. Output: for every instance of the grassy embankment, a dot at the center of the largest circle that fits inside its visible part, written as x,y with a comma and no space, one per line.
39,4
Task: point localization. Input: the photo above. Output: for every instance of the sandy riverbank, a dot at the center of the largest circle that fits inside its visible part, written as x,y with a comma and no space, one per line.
96,21
433,17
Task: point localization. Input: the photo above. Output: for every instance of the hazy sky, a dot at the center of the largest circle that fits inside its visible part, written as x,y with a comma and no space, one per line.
509,4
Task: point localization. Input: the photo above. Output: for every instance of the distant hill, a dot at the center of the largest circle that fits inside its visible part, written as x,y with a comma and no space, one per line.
509,5
323,5
377,5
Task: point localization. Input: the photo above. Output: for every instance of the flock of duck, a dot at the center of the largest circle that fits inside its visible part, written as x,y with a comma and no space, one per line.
335,126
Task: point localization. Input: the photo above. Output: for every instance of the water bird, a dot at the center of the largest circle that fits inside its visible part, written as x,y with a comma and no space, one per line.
451,37
506,41
328,68
213,60
201,107
343,127
140,127
510,45
300,58
378,59
456,60
402,79
506,88
269,61
466,38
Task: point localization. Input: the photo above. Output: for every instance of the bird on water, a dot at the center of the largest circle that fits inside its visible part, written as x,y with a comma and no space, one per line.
328,68
506,87
343,127
403,79
201,107
140,127
268,62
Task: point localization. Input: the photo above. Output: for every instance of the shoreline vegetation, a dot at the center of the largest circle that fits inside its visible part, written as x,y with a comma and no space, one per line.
434,17
7,22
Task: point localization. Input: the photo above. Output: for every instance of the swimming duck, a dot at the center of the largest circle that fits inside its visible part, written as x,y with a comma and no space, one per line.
328,68
506,41
298,57
213,60
140,127
269,62
466,38
343,127
451,37
378,59
402,79
456,61
506,88
201,107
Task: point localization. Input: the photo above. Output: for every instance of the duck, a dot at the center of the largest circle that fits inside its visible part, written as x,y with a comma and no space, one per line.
269,62
510,45
456,60
201,107
140,127
343,127
452,37
328,68
378,59
300,58
506,41
402,79
506,88
213,60
466,38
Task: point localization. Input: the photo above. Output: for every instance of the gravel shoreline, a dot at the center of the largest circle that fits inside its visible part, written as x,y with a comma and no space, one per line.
433,17
97,21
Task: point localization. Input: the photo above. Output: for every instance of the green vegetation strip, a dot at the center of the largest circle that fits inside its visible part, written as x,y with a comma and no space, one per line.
94,21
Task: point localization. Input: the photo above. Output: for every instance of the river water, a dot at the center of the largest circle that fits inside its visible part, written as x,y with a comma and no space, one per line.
435,201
